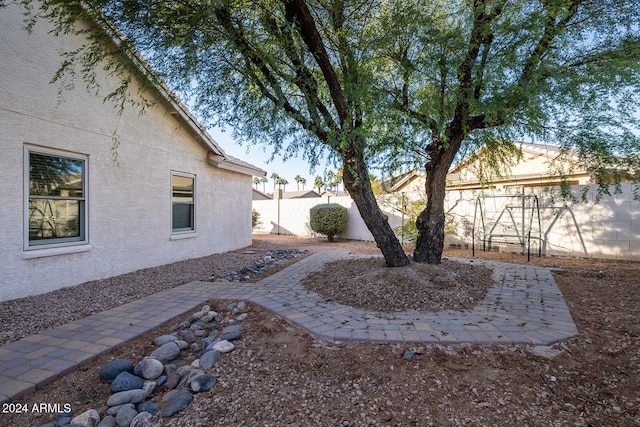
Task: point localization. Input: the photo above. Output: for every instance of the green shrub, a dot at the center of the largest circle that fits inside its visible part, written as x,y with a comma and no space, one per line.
255,218
328,219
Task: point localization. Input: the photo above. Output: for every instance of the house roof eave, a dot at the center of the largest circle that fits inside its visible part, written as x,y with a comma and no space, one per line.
234,165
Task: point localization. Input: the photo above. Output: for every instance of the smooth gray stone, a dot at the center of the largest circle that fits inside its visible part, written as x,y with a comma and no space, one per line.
223,346
182,344
112,369
148,406
177,403
209,359
126,381
149,368
166,352
129,396
231,336
125,416
203,383
232,329
108,421
207,318
163,339
161,380
114,409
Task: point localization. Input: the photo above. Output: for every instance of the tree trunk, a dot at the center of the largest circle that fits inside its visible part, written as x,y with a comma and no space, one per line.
430,222
356,182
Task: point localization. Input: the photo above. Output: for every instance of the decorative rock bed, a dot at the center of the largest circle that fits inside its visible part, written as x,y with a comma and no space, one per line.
163,383
271,259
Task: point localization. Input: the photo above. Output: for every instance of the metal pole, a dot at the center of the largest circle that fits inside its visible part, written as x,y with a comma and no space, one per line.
523,218
402,205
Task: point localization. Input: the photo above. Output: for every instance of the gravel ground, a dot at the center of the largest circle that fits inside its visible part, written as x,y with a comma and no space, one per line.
368,284
25,316
279,375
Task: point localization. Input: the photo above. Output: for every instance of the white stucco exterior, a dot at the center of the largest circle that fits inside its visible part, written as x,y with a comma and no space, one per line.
128,204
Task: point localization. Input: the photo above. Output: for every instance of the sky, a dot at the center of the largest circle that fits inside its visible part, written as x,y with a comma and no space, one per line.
258,155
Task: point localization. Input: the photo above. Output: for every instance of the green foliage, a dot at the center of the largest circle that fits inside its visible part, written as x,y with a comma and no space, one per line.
397,83
486,73
328,219
409,231
318,183
255,218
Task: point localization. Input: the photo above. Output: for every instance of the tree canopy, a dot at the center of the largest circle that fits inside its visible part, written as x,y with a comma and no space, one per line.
395,82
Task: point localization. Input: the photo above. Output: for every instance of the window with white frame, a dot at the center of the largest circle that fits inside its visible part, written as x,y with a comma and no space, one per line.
55,195
182,202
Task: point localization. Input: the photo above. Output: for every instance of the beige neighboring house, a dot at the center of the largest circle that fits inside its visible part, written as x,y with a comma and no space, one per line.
259,195
327,193
68,213
539,166
285,195
308,194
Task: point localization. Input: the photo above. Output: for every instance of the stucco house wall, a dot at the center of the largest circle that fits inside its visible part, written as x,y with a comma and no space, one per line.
129,203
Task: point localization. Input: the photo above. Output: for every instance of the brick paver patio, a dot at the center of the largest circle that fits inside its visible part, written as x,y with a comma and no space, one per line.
524,307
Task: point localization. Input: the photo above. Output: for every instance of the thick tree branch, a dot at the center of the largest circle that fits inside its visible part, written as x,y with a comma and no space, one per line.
303,78
347,61
254,60
298,13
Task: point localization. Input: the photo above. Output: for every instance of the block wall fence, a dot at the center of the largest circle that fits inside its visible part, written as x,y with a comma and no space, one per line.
607,227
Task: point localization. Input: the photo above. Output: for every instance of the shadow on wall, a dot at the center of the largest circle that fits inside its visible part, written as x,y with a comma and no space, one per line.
278,229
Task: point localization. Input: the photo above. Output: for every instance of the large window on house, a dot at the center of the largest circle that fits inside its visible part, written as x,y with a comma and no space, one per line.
182,202
55,194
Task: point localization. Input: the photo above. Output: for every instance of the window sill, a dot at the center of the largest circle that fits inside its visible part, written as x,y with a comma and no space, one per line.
66,250
182,236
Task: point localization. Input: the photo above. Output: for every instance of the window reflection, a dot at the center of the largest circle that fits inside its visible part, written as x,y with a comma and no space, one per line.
56,199
182,206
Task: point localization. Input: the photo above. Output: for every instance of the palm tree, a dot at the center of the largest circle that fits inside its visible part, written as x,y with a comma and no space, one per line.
303,181
282,182
331,179
298,179
263,180
275,177
318,183
256,181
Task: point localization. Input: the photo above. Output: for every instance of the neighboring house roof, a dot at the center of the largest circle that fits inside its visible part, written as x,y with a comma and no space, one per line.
300,194
216,157
327,193
534,169
544,150
403,182
259,195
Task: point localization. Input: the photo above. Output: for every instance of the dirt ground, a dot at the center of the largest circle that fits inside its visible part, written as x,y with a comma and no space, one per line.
279,375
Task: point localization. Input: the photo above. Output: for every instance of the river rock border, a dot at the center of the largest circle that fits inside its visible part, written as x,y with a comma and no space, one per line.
271,260
162,384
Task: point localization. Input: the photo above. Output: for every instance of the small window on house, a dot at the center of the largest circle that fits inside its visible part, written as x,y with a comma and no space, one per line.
56,198
182,203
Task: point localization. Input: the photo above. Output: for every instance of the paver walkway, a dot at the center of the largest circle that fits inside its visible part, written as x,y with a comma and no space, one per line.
524,307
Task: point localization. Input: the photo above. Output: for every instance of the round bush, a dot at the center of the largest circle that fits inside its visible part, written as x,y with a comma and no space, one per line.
328,219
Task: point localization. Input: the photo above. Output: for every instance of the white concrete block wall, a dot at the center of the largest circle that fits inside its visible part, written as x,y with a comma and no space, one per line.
607,229
292,216
129,204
